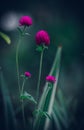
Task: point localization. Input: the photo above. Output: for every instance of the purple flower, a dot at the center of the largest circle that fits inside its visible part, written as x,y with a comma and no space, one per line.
25,20
42,37
27,74
50,79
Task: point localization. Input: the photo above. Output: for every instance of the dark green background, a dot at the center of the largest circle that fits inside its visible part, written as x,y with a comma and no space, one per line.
64,21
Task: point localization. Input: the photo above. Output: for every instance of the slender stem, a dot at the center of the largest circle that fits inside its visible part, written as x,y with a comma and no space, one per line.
17,56
23,31
23,114
18,74
17,61
22,89
39,77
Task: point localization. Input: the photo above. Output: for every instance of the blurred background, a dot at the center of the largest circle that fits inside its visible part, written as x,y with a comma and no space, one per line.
64,21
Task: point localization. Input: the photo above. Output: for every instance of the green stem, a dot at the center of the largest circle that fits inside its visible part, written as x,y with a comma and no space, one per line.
39,77
17,61
23,85
23,32
18,74
17,55
23,114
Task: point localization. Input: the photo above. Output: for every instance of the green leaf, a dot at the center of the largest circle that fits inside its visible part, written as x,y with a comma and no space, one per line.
39,48
6,38
47,99
27,96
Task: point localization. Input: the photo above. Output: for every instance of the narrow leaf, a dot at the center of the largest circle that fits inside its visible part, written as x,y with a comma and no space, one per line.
6,38
27,96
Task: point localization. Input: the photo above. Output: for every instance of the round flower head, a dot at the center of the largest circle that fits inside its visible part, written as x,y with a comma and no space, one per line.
50,79
25,21
42,37
27,74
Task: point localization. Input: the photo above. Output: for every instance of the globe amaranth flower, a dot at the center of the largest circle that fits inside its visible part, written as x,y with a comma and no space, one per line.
27,74
42,37
50,79
25,21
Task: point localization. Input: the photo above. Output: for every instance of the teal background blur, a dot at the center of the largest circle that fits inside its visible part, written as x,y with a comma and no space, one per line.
64,21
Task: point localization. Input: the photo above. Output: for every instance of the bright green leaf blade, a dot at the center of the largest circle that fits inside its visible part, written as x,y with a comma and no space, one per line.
6,38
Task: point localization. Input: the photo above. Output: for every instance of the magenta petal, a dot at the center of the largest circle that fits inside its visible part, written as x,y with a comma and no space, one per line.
51,79
25,20
42,37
